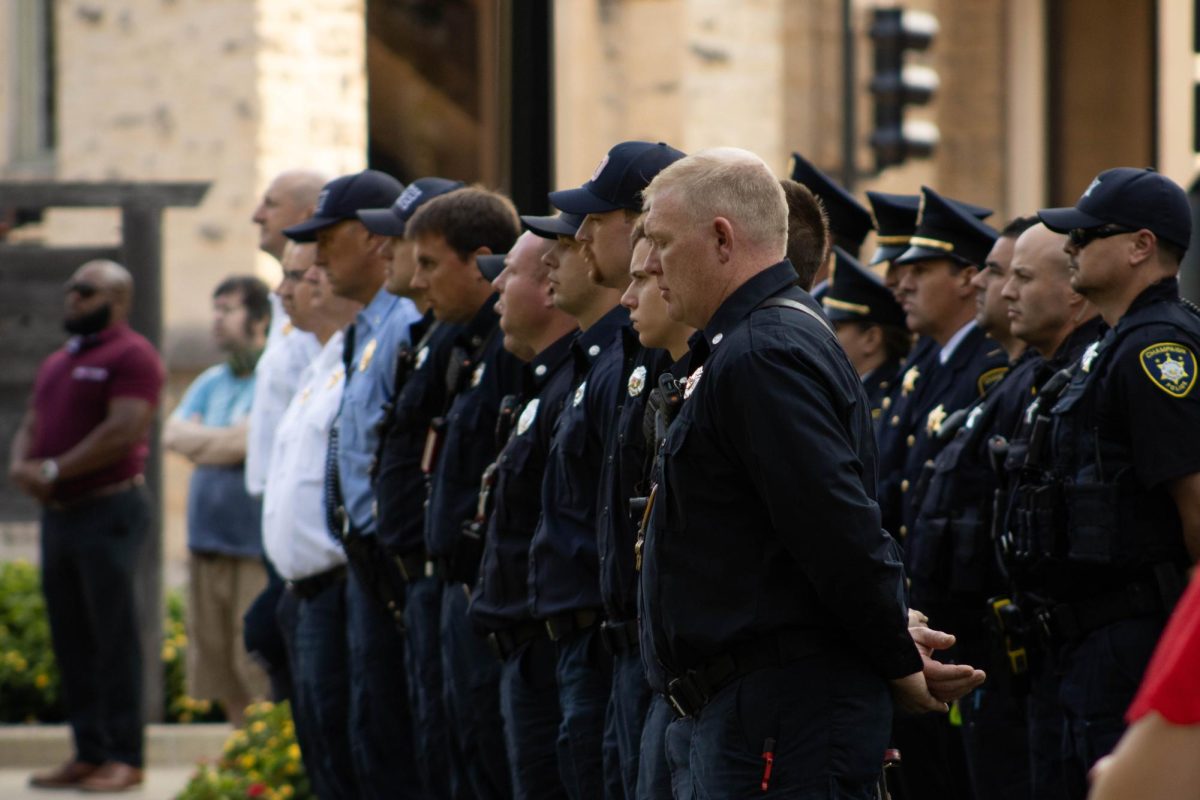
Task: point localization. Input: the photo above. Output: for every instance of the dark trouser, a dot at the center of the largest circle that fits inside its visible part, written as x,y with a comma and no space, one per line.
381,727
627,705
1100,677
584,675
89,558
1046,728
933,759
664,770
529,706
275,660
996,739
423,654
472,695
827,716
314,633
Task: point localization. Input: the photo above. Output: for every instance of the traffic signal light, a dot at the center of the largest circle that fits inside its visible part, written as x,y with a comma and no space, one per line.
896,85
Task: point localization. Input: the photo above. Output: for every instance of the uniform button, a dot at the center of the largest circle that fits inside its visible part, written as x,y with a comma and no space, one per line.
904,485
717,339
903,531
539,370
896,421
911,440
594,350
887,403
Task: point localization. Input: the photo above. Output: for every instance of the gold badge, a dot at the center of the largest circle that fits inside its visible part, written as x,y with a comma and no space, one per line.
989,379
637,381
575,401
1171,367
335,378
304,395
692,380
528,415
422,357
910,380
477,375
367,354
287,328
933,423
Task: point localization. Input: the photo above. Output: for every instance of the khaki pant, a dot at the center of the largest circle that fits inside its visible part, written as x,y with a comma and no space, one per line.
220,589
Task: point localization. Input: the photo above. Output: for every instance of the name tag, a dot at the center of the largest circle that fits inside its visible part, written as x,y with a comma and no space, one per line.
83,373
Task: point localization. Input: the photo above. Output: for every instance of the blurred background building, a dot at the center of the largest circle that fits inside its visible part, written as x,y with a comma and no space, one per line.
1033,98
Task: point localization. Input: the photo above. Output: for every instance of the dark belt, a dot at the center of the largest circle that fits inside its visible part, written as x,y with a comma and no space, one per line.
563,625
693,690
620,637
1067,623
506,642
310,587
448,569
412,566
98,493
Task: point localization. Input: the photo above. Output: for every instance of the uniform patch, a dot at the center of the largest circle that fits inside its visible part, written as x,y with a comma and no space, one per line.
422,357
692,380
989,379
528,415
933,422
1089,355
477,375
1171,367
579,394
910,380
637,382
367,354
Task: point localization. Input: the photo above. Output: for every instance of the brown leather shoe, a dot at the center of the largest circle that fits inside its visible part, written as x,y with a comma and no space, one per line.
67,776
113,776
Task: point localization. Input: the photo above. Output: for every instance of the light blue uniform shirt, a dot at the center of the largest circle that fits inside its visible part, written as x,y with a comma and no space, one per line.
380,330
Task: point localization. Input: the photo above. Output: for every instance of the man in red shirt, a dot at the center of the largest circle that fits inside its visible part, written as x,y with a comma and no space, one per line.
80,452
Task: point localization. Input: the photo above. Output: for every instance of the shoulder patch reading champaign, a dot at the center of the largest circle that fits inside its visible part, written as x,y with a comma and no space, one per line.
1171,367
990,378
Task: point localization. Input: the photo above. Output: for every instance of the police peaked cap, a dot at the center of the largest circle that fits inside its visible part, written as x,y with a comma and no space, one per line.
856,294
849,221
896,220
946,230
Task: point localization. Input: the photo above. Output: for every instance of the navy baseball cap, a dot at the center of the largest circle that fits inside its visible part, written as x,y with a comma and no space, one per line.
896,220
849,221
490,265
391,221
618,182
1130,197
552,227
945,229
856,294
342,198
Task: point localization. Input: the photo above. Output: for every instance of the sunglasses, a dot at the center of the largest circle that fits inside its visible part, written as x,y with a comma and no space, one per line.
1082,237
84,290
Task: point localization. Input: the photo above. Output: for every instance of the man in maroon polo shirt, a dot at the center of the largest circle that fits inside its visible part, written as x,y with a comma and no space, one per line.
80,452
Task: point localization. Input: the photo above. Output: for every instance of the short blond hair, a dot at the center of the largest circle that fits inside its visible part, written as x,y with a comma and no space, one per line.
732,183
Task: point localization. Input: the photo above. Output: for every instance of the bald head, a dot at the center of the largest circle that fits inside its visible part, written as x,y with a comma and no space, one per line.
98,296
1043,309
289,199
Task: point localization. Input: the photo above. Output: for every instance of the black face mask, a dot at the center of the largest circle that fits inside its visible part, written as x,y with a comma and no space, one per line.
91,322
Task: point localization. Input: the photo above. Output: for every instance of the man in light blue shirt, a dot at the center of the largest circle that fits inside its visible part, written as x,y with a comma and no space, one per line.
381,734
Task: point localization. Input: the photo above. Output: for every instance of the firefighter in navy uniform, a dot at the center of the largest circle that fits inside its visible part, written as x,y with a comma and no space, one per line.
1105,515
870,325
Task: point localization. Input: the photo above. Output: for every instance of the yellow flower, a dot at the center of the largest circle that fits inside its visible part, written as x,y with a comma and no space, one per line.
293,752
258,727
169,653
292,768
286,790
42,680
246,761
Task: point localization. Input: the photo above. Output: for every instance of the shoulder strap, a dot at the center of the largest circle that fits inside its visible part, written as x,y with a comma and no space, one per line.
787,302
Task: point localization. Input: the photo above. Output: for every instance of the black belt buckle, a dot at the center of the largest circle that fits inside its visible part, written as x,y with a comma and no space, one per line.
686,696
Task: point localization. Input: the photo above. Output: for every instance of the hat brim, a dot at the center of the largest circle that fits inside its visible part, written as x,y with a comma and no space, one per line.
887,252
918,253
307,231
549,227
490,265
1061,220
381,221
580,201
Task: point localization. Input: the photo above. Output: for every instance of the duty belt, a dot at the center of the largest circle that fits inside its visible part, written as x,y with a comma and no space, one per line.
310,587
563,625
692,691
506,642
1067,623
619,637
411,566
448,569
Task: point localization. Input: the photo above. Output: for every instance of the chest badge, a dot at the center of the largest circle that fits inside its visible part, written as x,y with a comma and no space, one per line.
637,382
477,375
933,422
422,357
692,381
1171,367
335,378
579,393
367,354
910,380
528,415
1089,355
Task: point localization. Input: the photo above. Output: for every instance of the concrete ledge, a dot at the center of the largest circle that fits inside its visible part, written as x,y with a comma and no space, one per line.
36,746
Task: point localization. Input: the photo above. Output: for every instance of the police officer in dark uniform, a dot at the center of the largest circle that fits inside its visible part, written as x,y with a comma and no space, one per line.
870,325
512,487
1104,518
849,220
450,232
775,611
400,485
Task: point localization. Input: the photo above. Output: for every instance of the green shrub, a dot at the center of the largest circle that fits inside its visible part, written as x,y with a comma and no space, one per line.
261,759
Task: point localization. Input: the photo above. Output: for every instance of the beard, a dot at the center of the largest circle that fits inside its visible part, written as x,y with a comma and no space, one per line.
91,322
